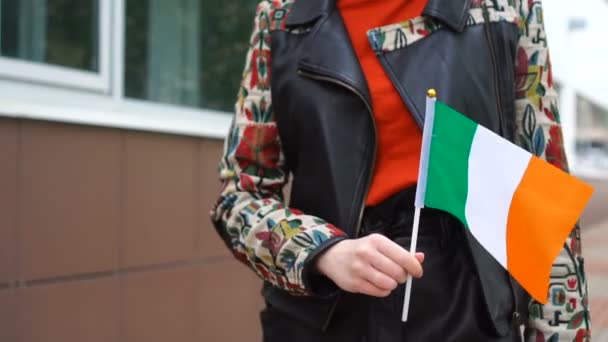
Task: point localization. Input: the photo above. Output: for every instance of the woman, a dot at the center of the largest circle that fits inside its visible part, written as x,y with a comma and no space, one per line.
333,94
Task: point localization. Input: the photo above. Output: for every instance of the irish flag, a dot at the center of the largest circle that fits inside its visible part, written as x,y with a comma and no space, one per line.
519,207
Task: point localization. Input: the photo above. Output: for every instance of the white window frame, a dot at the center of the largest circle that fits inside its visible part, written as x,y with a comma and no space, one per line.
51,93
64,76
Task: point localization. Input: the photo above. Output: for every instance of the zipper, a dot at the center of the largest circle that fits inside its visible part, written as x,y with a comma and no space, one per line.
486,26
516,316
327,78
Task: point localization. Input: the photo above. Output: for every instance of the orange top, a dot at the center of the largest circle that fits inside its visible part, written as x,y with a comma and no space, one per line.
398,136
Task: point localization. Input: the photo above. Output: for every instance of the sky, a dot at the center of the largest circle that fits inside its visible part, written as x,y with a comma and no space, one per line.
580,57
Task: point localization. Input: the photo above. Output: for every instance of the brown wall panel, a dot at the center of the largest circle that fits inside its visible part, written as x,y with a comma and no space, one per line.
8,315
160,306
161,188
75,311
90,199
69,199
230,302
8,196
160,197
211,150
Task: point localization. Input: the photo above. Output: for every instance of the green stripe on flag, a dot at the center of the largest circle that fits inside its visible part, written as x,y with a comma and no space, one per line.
448,170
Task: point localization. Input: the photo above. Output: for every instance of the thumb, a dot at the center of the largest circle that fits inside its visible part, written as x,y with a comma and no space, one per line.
420,257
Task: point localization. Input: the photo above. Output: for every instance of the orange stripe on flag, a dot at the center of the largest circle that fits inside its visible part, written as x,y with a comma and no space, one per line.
545,207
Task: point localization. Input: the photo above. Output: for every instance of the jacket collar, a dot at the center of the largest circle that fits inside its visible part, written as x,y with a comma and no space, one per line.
328,49
453,13
307,11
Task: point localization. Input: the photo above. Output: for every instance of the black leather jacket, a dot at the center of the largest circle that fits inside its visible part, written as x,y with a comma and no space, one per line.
313,119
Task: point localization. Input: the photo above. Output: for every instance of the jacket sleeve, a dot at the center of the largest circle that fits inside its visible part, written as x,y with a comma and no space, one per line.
277,242
565,316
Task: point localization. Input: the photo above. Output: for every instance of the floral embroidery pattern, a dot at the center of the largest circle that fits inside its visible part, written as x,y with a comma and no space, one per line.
273,240
405,33
257,153
566,314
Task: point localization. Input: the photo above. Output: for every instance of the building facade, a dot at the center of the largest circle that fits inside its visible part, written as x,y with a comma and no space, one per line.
575,36
111,119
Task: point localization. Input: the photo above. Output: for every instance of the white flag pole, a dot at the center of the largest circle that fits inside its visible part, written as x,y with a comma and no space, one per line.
427,133
408,285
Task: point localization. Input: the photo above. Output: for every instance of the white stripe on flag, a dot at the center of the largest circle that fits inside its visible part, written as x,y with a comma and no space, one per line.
495,170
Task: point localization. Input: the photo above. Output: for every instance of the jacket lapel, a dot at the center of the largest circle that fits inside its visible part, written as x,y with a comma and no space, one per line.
327,49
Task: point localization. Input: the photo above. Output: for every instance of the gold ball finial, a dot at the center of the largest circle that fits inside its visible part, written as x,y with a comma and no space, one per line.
431,93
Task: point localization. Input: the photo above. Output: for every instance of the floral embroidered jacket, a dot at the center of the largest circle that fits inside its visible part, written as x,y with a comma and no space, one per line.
277,241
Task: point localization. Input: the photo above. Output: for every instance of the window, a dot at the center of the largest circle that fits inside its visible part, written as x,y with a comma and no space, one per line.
591,135
55,41
150,64
43,31
186,52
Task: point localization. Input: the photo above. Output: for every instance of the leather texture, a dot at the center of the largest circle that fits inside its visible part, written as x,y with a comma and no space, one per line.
321,102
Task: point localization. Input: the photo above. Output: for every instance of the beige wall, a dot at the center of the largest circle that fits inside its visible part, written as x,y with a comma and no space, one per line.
105,236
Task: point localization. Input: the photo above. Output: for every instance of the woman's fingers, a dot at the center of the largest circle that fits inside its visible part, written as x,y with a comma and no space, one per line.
367,288
373,265
420,257
378,279
399,255
387,266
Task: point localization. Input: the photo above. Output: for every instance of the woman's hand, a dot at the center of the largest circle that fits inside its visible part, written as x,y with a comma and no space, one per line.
372,265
